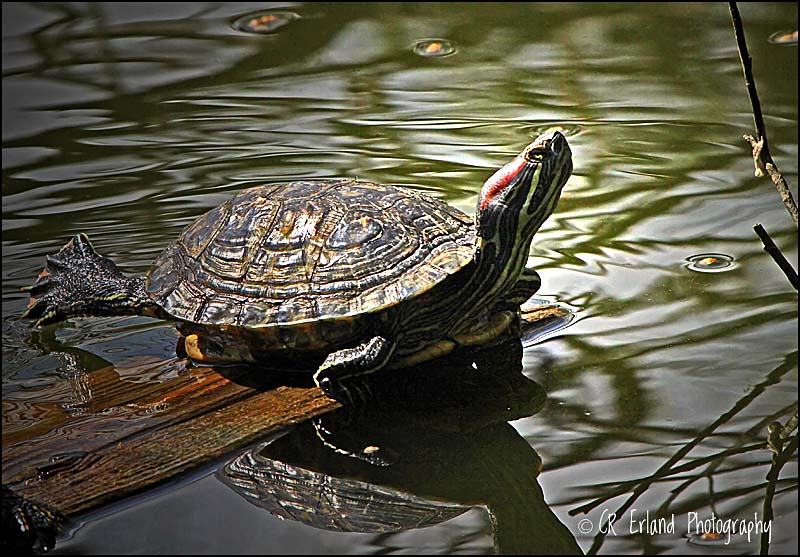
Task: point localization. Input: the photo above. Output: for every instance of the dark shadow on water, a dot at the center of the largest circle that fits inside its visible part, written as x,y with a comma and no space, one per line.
434,443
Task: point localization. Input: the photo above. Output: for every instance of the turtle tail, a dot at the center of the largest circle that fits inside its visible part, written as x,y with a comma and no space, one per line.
78,281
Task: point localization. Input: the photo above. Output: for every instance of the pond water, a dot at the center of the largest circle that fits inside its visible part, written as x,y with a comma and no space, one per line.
127,121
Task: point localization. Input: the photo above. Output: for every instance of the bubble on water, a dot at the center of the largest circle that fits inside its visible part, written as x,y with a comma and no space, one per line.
432,48
716,539
783,37
264,23
710,263
544,318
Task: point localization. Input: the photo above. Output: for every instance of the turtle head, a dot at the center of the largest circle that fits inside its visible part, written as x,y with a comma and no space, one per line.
519,197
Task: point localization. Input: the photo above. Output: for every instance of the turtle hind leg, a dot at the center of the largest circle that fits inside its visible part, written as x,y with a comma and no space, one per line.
501,325
341,375
78,281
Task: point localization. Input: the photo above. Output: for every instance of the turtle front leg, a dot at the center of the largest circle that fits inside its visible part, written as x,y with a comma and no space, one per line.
338,375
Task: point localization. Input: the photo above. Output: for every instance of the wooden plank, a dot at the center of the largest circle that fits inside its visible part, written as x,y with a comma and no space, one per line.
79,462
145,460
117,410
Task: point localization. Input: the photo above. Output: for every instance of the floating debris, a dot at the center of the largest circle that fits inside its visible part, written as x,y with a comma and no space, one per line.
783,37
710,262
264,23
432,48
543,319
706,538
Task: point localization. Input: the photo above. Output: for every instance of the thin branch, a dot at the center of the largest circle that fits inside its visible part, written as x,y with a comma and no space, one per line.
777,256
715,464
749,81
760,146
779,459
667,474
790,426
772,378
767,164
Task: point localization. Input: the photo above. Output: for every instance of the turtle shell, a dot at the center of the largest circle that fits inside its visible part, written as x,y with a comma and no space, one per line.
286,254
332,502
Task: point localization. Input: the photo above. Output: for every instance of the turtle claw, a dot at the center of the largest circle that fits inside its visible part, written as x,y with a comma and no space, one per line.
43,313
43,306
343,374
42,284
54,263
351,391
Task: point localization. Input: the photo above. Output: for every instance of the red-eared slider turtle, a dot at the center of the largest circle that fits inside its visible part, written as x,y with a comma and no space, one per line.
363,276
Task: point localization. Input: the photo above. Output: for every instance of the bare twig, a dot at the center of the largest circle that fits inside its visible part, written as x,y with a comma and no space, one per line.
780,457
760,146
714,464
664,470
762,159
764,164
775,253
790,426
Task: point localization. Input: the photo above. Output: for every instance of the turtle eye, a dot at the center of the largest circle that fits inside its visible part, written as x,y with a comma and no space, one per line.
535,154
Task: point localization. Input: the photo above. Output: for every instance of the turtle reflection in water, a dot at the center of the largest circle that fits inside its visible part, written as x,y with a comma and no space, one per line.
423,455
347,276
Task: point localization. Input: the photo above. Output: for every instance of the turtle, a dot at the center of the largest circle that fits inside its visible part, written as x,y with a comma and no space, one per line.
340,277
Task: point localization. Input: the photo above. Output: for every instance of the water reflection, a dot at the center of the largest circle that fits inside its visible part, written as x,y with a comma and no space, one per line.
783,38
710,262
432,48
90,402
129,122
430,447
264,22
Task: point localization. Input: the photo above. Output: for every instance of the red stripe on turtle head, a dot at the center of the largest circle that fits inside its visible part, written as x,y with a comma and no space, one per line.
500,180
